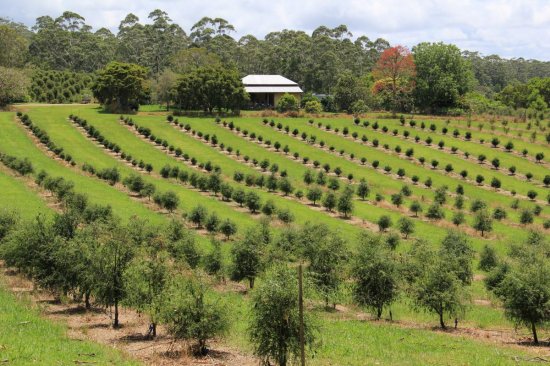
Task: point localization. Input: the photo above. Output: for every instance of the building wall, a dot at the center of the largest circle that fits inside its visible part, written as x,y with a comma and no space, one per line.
278,96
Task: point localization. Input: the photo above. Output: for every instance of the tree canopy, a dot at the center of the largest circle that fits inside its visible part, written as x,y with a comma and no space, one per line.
211,88
120,86
442,76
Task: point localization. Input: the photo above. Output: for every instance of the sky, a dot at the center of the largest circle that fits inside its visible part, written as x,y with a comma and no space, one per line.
508,28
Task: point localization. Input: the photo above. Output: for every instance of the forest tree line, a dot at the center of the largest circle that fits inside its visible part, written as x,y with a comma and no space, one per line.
321,62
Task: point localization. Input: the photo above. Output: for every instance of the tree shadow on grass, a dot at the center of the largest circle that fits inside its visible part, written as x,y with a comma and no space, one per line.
77,310
529,343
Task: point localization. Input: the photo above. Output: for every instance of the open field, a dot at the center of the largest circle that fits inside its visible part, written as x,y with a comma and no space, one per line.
348,336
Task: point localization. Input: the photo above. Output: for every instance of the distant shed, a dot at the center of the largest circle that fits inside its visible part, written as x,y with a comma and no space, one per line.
265,90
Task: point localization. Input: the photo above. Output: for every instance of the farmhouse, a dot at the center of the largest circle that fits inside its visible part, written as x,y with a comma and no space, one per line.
265,90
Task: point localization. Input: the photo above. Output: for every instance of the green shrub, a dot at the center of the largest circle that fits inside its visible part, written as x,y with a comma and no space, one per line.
287,103
313,106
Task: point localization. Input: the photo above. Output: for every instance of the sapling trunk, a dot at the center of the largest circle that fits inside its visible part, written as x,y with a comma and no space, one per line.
115,323
87,300
534,330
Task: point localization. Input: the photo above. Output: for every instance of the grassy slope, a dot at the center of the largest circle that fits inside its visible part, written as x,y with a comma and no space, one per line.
27,339
349,347
479,315
458,162
517,130
384,158
14,141
295,169
346,341
14,195
494,199
83,150
474,146
380,182
115,131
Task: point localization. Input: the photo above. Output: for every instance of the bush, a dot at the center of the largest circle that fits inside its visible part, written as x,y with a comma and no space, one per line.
488,258
228,228
194,312
212,223
252,201
313,106
285,215
359,107
274,330
268,208
435,212
499,214
384,222
287,103
169,201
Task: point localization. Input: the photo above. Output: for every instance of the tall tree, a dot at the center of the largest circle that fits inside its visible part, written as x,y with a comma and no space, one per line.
14,47
120,86
394,74
187,60
524,286
348,90
13,86
376,277
147,279
164,39
211,88
194,312
113,257
164,88
434,286
442,76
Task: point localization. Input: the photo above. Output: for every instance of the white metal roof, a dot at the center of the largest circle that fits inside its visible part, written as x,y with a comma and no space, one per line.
273,89
269,84
267,80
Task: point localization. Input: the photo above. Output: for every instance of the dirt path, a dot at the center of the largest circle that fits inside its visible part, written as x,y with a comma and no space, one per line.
94,325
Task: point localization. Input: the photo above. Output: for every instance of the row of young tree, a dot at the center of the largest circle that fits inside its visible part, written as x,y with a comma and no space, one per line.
409,153
44,138
155,271
482,221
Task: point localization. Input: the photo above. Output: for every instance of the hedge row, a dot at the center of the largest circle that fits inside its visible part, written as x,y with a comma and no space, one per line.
64,192
93,132
45,138
495,141
22,166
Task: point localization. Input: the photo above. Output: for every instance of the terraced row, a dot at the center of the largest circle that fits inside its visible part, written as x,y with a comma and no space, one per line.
526,150
294,169
68,135
357,149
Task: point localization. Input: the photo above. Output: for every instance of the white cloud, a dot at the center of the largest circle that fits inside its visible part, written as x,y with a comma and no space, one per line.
511,28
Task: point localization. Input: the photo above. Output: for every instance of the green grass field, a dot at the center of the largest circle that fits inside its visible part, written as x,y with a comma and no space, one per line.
28,339
344,340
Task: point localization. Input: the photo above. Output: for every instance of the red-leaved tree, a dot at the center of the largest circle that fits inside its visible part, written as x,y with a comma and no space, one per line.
394,77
